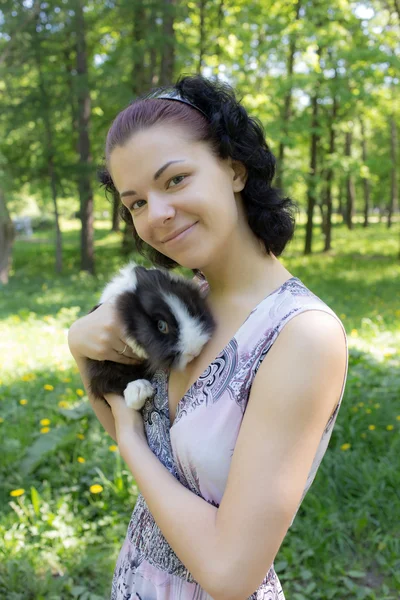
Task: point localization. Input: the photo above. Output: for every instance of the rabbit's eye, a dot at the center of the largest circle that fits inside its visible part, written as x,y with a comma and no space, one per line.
162,326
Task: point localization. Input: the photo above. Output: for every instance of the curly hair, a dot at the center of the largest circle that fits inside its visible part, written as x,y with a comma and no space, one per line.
230,132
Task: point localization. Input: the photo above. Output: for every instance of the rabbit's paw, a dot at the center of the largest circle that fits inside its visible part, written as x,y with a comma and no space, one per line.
137,392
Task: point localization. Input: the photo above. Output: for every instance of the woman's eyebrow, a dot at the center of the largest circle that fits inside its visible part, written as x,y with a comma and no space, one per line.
156,176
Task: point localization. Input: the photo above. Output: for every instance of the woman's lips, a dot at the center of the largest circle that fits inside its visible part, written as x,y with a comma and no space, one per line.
182,235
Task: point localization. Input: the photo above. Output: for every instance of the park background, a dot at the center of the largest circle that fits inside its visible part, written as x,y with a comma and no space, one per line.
323,78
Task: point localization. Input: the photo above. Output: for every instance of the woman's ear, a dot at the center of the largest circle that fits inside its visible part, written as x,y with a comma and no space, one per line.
240,175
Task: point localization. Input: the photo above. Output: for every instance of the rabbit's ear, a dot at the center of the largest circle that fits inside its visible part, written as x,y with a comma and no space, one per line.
125,280
94,308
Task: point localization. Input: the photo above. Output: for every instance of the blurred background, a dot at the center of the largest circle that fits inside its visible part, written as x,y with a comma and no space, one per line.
323,78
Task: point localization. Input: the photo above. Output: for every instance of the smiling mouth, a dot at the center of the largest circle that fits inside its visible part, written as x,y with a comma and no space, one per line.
181,234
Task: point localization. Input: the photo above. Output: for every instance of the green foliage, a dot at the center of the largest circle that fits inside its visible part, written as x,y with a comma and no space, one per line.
43,445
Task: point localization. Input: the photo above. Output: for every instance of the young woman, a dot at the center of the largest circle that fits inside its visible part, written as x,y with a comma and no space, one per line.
226,450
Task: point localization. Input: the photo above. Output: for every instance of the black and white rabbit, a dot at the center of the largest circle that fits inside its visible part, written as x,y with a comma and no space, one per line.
167,323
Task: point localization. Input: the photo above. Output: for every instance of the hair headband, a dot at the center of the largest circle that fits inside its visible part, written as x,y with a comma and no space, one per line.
174,95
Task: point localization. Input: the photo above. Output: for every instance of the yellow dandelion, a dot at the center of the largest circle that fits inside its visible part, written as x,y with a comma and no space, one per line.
45,421
364,435
80,459
361,404
377,405
342,316
28,377
389,427
23,401
80,392
80,436
48,387
345,446
113,448
96,488
354,332
67,380
1,420
398,418
368,411
45,430
18,492
355,409
371,427
63,404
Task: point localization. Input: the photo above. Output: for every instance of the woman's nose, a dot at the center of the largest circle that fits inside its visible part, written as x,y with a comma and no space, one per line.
159,210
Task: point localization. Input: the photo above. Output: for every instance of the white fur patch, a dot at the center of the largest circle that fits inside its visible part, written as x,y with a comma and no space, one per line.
192,336
136,349
125,280
137,392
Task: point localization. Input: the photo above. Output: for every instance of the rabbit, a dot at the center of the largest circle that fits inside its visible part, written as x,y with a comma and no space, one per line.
167,323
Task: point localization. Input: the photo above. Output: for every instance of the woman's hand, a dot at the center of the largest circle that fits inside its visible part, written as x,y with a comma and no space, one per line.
128,421
100,335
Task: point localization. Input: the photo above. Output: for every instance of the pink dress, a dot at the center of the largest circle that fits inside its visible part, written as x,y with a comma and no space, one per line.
198,448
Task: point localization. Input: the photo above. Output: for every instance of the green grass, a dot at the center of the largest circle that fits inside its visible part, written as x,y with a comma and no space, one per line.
61,540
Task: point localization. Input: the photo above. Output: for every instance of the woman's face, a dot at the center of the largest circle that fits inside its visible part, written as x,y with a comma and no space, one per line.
170,184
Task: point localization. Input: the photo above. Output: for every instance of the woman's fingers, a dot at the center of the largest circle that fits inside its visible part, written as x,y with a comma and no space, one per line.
126,356
126,360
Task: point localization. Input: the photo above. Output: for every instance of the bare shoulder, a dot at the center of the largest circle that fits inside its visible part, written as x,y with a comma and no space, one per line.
307,365
315,327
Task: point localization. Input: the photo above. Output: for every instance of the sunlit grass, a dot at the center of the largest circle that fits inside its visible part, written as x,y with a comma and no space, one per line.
67,496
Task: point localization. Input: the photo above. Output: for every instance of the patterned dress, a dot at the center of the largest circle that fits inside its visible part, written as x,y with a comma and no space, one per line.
198,448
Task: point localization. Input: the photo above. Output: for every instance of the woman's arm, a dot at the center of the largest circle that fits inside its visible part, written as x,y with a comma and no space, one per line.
100,336
101,409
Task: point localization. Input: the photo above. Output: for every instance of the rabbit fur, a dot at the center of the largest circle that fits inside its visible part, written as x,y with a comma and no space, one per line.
167,322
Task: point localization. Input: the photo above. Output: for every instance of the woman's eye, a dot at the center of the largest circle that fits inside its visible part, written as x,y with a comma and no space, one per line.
177,177
133,205
162,326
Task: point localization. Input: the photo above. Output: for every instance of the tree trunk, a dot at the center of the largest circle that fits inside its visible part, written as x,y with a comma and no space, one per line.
72,97
168,56
286,114
7,235
49,150
202,34
340,204
350,192
85,188
115,214
365,181
311,188
218,50
329,179
154,54
140,28
394,195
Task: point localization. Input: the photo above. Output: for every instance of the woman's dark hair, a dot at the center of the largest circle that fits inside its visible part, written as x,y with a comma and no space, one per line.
230,132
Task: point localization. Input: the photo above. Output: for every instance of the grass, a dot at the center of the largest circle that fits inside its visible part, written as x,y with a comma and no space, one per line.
61,536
